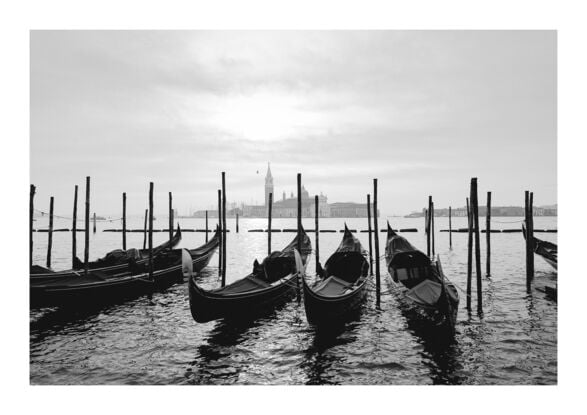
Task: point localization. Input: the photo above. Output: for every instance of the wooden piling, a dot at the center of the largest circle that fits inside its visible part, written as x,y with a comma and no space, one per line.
528,210
94,221
74,230
220,252
206,226
269,211
31,214
124,221
449,227
488,235
370,235
475,211
299,232
223,229
170,216
432,228
428,224
469,256
87,228
236,222
50,241
145,229
376,231
317,230
151,230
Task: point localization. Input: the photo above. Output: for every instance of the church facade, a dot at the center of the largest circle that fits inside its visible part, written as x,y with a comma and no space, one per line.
287,207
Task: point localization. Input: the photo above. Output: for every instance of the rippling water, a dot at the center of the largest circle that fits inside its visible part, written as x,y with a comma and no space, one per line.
153,339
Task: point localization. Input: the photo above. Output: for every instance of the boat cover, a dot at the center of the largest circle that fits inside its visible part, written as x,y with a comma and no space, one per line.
332,287
428,292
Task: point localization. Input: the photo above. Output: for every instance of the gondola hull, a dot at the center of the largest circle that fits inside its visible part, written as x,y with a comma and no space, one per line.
42,275
321,310
99,289
206,306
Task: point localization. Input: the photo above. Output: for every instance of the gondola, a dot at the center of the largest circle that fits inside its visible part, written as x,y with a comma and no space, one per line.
99,287
270,283
547,250
112,263
421,281
342,286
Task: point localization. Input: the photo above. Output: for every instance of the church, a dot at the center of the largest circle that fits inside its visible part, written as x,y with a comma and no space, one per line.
287,207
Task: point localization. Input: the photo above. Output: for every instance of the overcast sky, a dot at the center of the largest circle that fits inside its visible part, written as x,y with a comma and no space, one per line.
421,111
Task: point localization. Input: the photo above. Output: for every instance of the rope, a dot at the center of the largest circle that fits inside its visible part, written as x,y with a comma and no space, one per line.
43,213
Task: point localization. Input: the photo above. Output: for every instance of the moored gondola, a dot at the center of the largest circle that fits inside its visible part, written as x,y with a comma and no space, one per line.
342,287
98,287
547,250
270,283
114,262
421,281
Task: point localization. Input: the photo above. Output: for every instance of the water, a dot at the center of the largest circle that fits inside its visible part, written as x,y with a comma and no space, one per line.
153,339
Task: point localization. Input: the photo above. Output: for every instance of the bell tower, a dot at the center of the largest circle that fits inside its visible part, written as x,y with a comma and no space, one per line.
268,185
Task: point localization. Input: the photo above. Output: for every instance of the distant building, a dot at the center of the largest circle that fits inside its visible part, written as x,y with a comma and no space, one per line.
495,211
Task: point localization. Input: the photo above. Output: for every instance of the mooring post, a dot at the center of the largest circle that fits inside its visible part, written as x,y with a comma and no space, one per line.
151,230
224,228
145,229
475,207
50,241
74,230
170,216
469,256
432,228
299,232
428,227
87,228
449,227
124,221
206,226
221,237
31,214
488,234
376,233
236,221
370,234
269,211
528,200
317,230
94,221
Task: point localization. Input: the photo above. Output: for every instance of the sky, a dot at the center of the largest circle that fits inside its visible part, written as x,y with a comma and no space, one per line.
421,111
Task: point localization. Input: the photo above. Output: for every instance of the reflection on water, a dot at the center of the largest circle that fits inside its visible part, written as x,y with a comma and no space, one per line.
153,339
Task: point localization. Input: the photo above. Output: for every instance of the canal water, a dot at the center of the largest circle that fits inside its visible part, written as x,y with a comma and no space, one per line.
154,340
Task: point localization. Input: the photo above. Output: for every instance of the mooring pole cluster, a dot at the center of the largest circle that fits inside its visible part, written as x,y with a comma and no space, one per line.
529,221
223,229
475,219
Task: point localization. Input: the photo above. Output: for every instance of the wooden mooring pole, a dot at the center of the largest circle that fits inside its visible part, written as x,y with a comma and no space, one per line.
151,230
145,229
31,214
87,228
450,227
124,221
94,221
488,235
317,230
428,226
236,222
529,214
206,226
170,216
50,241
223,229
299,285
269,211
376,234
370,235
469,256
74,230
220,253
475,210
432,228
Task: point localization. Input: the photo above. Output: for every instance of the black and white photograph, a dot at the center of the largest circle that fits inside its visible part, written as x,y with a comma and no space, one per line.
262,214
